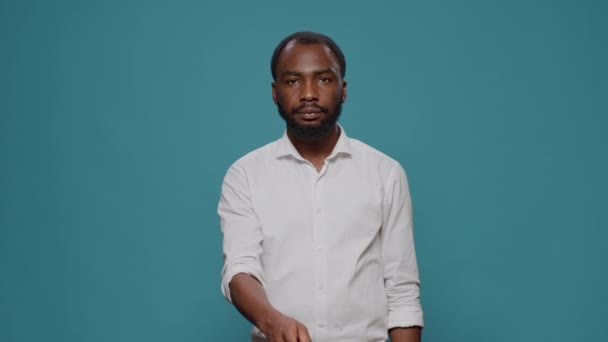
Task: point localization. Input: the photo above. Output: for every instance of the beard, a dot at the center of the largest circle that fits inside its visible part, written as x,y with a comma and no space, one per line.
325,128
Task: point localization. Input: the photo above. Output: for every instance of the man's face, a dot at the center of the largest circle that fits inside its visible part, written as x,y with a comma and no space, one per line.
308,91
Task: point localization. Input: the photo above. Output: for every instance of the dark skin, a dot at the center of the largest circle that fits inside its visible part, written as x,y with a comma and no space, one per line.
250,299
307,76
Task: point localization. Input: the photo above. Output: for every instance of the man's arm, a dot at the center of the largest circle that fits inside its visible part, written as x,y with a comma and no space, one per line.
401,278
242,274
250,299
405,334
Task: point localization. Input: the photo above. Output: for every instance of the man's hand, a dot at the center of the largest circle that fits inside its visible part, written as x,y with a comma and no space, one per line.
250,299
281,328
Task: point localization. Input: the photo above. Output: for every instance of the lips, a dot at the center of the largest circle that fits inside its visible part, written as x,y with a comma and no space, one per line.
309,110
309,116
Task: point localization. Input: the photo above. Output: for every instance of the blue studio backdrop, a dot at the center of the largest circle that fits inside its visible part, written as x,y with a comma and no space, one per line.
118,120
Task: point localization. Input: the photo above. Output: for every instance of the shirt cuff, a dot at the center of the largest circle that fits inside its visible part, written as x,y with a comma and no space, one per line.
235,269
413,318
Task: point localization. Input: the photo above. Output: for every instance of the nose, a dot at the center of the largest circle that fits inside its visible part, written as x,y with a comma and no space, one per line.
309,91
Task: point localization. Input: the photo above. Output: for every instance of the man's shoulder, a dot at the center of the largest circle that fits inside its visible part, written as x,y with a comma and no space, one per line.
258,155
372,154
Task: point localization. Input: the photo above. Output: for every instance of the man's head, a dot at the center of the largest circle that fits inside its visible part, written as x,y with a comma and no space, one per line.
308,38
308,71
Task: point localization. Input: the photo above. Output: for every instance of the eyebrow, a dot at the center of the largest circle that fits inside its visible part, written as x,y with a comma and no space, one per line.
316,72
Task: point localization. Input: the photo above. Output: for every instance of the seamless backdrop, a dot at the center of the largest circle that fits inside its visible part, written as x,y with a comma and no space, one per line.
118,120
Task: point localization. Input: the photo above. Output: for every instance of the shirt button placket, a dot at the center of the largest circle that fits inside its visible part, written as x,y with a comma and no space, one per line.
320,269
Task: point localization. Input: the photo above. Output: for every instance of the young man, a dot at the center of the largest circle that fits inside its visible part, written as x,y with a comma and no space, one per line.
318,242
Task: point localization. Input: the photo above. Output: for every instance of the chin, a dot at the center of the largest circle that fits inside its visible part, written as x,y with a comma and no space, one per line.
315,129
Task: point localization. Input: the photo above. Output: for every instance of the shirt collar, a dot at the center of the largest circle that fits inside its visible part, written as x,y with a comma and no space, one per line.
285,148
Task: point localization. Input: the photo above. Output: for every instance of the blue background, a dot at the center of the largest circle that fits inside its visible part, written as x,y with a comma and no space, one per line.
118,120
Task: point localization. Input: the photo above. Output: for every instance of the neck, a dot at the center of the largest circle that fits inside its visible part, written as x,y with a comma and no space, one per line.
317,149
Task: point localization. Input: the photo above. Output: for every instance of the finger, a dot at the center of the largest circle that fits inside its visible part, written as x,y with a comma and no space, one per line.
303,335
290,334
277,338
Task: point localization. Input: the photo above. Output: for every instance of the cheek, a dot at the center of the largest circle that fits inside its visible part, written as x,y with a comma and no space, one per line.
285,97
337,96
282,103
280,98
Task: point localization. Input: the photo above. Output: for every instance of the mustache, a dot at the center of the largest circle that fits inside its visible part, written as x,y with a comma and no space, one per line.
305,106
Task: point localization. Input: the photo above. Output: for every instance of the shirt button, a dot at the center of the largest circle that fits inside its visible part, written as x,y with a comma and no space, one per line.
318,211
319,287
321,324
319,248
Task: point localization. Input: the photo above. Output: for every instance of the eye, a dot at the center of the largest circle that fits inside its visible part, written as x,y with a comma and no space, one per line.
292,81
324,80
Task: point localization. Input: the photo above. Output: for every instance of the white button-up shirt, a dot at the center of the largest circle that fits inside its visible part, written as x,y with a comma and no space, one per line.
333,249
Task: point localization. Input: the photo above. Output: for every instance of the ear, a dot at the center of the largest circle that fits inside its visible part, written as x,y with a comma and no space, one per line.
274,92
343,98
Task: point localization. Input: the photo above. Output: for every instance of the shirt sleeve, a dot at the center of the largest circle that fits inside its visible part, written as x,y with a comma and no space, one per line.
241,230
399,256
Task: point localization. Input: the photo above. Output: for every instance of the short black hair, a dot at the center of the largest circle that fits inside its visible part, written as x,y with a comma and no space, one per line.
308,38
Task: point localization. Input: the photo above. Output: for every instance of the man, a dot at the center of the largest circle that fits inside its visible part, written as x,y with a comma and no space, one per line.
318,242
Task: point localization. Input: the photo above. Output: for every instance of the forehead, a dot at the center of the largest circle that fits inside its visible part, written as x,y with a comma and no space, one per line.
303,57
